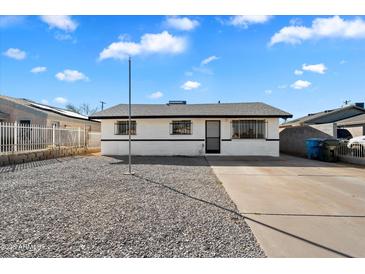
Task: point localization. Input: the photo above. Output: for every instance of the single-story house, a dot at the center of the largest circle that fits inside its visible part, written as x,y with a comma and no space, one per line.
28,112
178,128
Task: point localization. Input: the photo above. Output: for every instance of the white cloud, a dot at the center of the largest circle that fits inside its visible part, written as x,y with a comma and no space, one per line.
268,91
150,43
44,101
189,85
298,72
208,60
38,69
71,76
60,100
330,27
246,20
181,23
296,21
343,62
155,95
63,22
301,84
16,54
318,68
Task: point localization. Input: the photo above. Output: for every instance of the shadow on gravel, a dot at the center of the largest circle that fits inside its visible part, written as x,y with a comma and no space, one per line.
19,167
161,160
252,161
239,215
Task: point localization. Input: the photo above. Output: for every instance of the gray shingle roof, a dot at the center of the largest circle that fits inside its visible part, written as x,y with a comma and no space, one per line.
192,110
333,115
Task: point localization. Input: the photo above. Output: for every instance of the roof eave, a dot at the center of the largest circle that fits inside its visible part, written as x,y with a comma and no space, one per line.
191,116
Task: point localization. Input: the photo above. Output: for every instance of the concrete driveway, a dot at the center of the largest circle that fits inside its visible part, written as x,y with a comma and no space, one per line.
298,207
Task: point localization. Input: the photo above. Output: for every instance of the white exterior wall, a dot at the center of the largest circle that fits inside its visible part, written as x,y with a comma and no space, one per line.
159,129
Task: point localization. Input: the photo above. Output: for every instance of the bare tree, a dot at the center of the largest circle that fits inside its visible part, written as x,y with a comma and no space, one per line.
84,109
73,108
87,110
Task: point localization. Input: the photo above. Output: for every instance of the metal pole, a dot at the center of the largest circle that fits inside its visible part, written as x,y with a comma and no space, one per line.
102,105
16,136
129,121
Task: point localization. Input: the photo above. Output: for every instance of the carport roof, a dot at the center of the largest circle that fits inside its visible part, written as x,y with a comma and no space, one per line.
255,109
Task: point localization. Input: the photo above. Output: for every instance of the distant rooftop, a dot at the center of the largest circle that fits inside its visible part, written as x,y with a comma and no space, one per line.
327,116
46,108
181,109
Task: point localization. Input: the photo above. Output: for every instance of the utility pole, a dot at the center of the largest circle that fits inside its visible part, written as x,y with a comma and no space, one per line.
346,102
102,104
129,120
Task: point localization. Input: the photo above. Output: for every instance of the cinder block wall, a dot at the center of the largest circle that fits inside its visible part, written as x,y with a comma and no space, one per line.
25,157
330,128
292,139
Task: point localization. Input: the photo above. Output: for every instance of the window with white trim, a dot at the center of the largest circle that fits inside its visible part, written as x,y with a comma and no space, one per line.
248,129
121,128
183,127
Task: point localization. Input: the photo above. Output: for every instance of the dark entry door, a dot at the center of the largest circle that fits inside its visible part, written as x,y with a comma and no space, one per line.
212,136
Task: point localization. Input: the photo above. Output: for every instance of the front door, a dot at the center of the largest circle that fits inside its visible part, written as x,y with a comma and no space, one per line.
212,136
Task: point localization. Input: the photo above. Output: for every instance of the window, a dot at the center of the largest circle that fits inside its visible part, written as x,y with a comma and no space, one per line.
248,129
24,122
121,128
181,127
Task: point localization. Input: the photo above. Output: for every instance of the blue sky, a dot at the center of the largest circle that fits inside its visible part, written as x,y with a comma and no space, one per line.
82,59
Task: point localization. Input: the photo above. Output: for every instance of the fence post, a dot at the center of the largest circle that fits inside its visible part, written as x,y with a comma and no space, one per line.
15,137
79,136
85,136
53,135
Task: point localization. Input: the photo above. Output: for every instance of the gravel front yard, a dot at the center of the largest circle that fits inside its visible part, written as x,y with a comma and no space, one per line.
86,207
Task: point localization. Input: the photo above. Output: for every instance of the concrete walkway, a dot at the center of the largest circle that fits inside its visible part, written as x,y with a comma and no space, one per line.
298,207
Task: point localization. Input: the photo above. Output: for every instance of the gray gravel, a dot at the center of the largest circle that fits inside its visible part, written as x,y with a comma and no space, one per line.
86,207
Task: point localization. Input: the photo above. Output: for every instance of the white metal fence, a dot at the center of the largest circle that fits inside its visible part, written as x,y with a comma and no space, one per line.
16,137
356,151
354,154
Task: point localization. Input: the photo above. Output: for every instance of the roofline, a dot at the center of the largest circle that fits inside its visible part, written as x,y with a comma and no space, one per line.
190,116
298,120
61,114
42,110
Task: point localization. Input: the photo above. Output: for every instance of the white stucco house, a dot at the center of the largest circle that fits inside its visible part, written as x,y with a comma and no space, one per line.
178,128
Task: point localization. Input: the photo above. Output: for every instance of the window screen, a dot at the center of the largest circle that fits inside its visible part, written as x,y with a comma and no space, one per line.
180,127
248,129
121,128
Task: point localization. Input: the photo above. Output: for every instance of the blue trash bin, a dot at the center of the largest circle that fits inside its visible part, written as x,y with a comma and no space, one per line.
313,148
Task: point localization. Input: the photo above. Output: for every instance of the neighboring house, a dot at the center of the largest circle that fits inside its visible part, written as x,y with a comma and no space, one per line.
328,117
31,113
355,125
178,128
325,124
